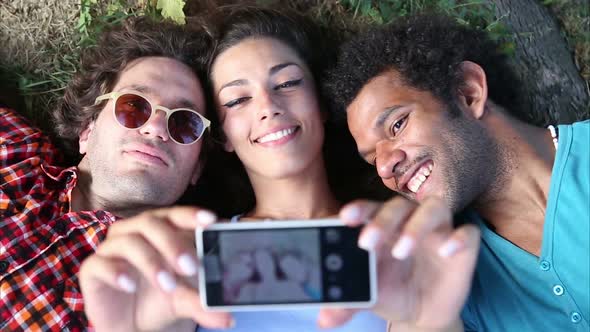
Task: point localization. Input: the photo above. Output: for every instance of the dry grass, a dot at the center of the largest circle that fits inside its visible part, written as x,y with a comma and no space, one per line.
41,41
574,17
38,50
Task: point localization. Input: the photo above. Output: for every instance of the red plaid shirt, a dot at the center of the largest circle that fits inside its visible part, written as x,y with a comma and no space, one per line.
42,242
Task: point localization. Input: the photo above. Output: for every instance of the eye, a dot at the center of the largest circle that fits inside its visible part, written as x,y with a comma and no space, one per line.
288,84
235,102
398,125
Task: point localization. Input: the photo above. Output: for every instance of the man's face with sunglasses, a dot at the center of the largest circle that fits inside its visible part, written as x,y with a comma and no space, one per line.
143,149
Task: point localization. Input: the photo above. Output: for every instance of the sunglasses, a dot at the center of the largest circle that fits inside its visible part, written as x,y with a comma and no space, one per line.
132,111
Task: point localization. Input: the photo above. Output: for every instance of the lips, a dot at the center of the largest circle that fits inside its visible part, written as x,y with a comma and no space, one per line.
277,135
414,177
419,177
148,154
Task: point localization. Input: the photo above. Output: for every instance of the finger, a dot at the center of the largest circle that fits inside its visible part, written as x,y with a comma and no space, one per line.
187,304
359,212
138,252
431,215
332,317
461,255
97,270
465,238
183,217
386,223
177,249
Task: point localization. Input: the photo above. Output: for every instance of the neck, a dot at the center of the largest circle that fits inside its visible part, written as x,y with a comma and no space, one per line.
84,198
305,195
515,206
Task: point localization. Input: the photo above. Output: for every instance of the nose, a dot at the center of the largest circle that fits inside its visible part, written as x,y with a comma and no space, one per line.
156,126
388,158
268,106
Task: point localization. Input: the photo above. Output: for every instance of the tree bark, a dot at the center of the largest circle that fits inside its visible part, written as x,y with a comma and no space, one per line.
553,86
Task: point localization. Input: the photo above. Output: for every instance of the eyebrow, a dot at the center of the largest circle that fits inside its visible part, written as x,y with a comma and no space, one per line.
273,70
234,83
381,118
139,88
180,103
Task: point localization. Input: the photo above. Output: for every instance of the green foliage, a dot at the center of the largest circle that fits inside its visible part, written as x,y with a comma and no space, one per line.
475,13
41,86
172,9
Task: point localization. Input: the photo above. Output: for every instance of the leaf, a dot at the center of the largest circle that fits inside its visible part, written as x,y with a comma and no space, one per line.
172,9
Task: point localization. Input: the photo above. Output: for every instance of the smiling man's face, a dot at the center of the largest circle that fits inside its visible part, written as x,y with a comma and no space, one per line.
419,146
144,166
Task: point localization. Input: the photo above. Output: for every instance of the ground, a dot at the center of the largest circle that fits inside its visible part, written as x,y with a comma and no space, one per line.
42,39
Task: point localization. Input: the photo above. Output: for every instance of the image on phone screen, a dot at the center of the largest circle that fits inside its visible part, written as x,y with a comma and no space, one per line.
248,267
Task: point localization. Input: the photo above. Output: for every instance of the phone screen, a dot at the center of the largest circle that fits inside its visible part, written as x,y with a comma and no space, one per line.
285,266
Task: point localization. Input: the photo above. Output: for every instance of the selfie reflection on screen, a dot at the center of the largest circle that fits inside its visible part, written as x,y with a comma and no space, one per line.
271,266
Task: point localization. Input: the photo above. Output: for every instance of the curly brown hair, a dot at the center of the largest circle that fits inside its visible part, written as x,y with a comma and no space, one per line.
101,65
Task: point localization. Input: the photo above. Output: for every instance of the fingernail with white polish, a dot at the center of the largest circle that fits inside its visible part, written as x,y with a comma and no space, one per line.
351,213
369,239
205,217
166,281
449,248
187,264
126,283
402,248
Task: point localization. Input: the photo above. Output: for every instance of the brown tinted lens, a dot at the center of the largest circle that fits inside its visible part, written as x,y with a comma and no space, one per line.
132,111
185,127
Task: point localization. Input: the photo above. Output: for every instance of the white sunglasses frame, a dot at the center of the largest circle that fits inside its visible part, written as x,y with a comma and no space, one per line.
115,95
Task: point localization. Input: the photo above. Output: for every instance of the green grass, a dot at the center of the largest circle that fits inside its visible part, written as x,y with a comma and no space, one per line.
41,79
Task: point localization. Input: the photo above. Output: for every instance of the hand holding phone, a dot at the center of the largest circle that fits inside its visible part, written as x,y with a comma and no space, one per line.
425,263
284,264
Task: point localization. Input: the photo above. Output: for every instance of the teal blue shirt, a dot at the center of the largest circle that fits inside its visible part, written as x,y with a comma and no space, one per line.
514,290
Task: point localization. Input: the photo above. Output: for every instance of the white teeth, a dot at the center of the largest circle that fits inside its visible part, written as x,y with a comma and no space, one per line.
276,135
418,179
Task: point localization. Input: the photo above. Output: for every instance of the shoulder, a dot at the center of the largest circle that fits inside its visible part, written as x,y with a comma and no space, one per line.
19,140
14,126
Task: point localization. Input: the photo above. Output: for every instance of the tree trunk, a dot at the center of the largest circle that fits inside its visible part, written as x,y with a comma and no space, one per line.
552,83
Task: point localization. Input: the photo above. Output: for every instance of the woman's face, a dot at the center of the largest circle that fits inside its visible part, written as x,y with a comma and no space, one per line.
266,98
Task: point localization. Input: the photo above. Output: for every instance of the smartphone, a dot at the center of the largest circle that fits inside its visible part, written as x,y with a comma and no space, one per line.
291,264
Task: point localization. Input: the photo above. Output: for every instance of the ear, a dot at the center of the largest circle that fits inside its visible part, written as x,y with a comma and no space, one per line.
472,94
83,138
197,173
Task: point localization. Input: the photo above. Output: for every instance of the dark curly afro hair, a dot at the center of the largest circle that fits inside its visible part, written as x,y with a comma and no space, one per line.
426,50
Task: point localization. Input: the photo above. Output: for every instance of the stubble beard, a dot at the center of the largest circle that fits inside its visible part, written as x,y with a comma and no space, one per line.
475,164
124,190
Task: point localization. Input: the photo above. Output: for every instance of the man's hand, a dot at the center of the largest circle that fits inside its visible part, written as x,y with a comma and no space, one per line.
425,265
143,276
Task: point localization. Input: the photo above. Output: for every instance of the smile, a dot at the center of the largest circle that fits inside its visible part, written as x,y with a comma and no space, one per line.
277,135
418,179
